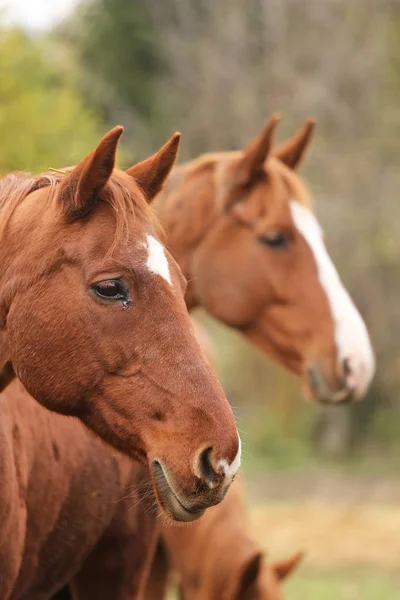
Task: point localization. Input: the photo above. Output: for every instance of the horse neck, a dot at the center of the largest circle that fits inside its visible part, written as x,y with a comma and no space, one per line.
229,565
13,250
229,545
188,208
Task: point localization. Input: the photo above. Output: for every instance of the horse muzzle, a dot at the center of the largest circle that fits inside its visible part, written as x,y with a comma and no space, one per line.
211,481
349,385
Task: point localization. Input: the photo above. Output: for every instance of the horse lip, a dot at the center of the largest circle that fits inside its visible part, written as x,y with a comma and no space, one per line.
168,497
341,397
323,394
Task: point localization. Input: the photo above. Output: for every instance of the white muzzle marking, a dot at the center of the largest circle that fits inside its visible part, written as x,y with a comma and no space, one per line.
230,470
351,335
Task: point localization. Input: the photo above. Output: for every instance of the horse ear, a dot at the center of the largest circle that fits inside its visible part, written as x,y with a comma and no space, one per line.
79,189
293,151
151,173
284,568
256,152
248,575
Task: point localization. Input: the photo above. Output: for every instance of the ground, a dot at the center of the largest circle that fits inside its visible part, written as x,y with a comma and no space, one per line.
348,523
353,550
342,584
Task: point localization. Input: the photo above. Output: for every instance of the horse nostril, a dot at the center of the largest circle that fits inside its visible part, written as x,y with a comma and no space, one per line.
346,367
206,468
313,379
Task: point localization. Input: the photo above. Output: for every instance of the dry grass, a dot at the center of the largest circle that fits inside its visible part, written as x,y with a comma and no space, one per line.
333,535
352,547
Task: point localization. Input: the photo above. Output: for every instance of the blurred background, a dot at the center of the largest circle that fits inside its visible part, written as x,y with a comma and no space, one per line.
318,478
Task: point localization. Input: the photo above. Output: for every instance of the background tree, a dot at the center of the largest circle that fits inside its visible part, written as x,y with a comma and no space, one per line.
43,118
116,47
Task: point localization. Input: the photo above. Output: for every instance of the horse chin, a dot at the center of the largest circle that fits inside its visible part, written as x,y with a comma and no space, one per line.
318,390
340,397
172,507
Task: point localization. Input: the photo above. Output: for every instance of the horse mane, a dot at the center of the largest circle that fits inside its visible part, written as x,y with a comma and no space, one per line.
294,183
14,188
208,160
122,193
272,166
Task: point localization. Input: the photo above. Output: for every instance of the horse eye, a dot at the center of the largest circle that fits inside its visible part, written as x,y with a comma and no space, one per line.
111,289
275,240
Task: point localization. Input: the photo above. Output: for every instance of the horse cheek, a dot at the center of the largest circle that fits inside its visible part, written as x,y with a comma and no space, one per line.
49,350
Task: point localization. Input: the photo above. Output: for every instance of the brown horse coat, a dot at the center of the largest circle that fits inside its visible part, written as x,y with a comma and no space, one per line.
93,323
66,493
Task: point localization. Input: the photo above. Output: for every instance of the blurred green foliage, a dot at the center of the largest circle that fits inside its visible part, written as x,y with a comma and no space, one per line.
43,120
116,47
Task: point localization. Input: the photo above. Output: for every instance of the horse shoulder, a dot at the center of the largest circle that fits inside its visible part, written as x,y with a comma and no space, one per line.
62,487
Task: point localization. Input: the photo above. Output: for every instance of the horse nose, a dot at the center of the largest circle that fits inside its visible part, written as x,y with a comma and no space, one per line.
353,372
205,468
326,390
346,366
214,472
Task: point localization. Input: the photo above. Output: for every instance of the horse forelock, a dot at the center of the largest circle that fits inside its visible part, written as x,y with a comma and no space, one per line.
121,192
273,167
294,183
209,159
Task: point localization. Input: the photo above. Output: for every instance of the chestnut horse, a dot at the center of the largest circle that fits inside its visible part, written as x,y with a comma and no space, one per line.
241,227
217,559
94,326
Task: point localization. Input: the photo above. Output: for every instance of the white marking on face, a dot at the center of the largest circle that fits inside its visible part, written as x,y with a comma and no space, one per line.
156,260
351,335
230,470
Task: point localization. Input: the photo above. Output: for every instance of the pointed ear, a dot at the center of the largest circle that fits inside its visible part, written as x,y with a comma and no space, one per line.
78,192
248,575
293,151
284,568
151,173
256,152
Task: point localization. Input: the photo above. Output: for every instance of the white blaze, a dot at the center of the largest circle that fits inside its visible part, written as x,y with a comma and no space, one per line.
351,336
231,469
156,260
